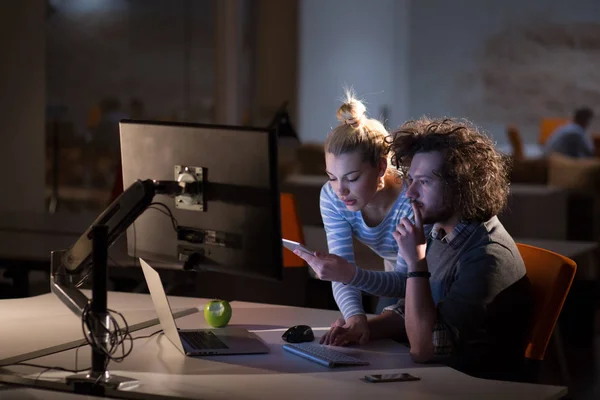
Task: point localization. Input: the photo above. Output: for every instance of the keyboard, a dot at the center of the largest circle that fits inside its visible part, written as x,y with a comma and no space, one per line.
322,355
202,340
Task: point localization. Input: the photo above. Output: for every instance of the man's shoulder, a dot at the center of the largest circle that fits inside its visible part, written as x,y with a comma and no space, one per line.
567,130
492,239
491,230
568,127
492,255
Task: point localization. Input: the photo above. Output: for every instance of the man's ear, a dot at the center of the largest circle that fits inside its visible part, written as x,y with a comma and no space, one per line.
383,165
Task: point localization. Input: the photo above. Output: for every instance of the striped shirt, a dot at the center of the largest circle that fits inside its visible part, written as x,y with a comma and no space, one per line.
341,225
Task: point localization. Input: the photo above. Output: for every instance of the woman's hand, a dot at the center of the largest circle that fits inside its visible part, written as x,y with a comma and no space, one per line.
343,333
329,267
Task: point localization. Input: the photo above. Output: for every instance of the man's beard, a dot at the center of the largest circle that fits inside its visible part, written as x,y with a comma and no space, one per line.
438,215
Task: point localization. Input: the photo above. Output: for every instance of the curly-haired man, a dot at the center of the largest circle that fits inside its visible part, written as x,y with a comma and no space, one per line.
468,300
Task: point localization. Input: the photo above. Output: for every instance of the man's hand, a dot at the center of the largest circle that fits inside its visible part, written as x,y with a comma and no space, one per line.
343,333
329,267
411,239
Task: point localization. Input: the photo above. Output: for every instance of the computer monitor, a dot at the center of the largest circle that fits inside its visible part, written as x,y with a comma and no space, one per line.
236,227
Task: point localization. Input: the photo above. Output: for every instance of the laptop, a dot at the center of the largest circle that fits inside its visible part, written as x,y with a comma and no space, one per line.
199,342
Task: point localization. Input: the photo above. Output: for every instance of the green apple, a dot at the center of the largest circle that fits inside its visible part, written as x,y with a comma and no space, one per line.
217,313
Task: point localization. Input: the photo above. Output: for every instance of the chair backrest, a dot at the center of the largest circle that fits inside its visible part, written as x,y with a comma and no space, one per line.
514,138
547,127
551,275
291,229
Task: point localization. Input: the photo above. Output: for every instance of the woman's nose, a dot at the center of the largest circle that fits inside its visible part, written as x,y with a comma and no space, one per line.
342,190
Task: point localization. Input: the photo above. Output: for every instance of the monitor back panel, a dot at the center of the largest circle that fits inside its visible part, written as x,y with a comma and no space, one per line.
241,195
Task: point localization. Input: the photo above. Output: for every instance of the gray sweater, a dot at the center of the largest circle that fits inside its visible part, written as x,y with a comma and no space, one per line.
483,298
482,295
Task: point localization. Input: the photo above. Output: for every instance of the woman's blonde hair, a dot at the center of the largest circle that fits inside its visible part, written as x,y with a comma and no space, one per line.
356,132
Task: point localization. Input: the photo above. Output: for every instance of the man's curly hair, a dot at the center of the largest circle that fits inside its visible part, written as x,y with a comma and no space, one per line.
476,174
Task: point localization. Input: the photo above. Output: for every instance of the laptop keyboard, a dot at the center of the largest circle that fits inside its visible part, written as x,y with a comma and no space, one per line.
203,340
322,355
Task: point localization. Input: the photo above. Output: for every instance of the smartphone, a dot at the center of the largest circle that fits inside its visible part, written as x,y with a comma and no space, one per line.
403,377
290,244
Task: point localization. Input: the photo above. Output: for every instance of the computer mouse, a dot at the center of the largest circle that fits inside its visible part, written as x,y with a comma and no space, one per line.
298,334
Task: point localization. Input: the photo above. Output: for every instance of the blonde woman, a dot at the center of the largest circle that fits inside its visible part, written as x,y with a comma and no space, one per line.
364,199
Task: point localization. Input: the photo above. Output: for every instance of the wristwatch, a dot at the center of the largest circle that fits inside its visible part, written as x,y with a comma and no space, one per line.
418,274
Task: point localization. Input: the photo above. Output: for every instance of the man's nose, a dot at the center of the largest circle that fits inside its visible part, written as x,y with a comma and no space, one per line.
411,192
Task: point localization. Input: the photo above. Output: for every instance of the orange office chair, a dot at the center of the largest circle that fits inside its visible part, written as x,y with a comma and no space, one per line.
291,229
548,125
551,275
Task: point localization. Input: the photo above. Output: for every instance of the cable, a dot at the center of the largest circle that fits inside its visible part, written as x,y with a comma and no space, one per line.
154,206
148,336
117,336
82,280
134,244
168,212
75,370
46,368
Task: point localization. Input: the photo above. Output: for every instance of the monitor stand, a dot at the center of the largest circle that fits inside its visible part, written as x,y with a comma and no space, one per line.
98,379
90,383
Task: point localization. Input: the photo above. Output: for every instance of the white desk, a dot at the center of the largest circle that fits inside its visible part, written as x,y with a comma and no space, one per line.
24,320
161,369
39,394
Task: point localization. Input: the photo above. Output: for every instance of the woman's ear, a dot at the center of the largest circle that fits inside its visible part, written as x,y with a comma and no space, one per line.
383,165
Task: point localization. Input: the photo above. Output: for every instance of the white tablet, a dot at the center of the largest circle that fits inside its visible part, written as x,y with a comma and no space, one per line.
290,244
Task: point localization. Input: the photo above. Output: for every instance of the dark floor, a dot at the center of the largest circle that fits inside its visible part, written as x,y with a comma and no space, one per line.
579,326
584,364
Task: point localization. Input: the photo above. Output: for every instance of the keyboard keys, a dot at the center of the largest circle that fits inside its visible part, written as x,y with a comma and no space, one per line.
202,340
323,355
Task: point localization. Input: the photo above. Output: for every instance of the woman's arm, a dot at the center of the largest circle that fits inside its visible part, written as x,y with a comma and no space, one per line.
380,283
339,242
389,284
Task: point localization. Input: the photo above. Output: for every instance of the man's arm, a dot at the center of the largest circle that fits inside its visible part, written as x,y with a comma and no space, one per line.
419,308
420,314
484,272
387,325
